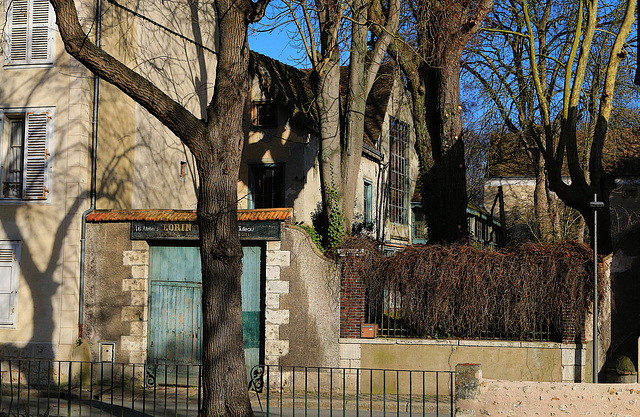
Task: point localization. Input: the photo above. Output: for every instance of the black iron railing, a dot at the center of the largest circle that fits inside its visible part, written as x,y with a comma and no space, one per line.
386,309
52,388
353,391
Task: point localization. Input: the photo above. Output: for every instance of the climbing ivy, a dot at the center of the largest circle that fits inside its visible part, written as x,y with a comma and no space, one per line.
335,228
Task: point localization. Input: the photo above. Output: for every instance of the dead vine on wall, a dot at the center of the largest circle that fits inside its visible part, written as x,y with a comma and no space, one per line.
465,292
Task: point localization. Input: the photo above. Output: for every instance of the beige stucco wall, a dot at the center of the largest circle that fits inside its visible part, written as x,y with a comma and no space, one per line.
312,302
49,232
116,292
141,161
186,72
288,145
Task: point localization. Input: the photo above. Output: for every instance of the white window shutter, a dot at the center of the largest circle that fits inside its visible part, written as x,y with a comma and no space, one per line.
8,283
18,19
41,36
36,156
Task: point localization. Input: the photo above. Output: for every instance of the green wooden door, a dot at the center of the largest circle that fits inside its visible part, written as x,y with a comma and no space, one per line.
175,313
251,305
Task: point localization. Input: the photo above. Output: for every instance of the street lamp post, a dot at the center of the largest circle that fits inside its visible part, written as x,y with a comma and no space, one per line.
595,205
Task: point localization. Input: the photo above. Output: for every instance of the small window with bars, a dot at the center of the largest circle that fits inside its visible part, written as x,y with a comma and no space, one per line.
267,186
399,138
264,114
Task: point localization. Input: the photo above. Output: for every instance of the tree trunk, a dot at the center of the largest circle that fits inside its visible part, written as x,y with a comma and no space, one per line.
225,382
541,201
355,107
224,377
432,71
444,185
328,102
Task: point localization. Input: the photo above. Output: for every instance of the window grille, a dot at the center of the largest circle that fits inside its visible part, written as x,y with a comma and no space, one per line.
264,114
267,186
399,136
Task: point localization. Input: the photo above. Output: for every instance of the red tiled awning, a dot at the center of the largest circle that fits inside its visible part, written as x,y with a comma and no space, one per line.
155,215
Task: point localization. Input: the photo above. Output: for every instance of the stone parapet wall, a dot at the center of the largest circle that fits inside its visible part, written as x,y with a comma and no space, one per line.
534,361
476,396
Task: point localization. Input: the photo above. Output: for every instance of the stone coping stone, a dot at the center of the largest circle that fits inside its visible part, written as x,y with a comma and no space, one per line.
455,342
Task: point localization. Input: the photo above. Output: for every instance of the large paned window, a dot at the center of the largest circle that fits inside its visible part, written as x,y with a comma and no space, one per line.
267,186
8,283
29,33
399,137
25,164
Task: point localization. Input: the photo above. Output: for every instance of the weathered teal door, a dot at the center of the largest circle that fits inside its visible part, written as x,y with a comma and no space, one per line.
175,319
251,305
175,313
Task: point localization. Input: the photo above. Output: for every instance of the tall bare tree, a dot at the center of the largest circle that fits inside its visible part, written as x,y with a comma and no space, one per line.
332,32
216,143
499,65
433,39
552,48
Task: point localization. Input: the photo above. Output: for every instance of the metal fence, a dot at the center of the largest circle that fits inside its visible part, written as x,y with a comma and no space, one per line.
385,308
52,388
313,391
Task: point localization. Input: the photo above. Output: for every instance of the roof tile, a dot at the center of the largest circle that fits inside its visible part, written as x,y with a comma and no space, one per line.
167,215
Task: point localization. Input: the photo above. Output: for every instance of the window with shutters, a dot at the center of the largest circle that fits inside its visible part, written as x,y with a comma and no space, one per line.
9,255
29,33
25,164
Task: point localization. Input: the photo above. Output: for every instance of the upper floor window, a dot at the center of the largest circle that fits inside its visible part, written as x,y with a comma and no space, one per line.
25,162
267,186
264,114
399,138
29,33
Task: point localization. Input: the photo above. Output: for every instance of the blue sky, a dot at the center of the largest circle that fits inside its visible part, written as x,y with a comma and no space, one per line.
276,43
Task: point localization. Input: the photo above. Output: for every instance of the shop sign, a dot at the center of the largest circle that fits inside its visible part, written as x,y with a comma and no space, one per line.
189,230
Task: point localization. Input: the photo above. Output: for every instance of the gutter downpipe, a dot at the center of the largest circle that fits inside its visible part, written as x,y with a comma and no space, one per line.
94,163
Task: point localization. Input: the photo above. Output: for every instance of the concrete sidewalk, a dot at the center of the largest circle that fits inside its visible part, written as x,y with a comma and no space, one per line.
183,402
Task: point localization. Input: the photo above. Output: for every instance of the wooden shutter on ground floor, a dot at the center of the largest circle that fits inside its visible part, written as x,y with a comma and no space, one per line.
8,282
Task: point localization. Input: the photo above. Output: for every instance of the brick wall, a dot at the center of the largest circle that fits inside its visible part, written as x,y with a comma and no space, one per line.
352,298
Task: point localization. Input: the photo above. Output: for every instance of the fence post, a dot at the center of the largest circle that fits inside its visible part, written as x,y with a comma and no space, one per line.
468,379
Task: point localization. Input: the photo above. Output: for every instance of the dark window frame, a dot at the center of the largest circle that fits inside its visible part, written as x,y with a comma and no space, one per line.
259,200
264,113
